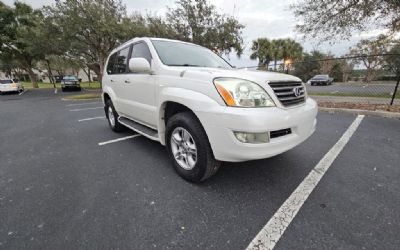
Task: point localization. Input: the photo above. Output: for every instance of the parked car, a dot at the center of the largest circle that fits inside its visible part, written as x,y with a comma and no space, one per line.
10,85
70,82
321,80
202,109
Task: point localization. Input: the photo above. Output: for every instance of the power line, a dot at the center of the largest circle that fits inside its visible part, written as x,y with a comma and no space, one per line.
330,59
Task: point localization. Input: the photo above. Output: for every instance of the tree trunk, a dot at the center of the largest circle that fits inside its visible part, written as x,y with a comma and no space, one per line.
369,75
96,69
50,74
32,77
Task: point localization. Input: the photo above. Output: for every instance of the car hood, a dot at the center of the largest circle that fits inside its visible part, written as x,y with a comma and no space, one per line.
209,74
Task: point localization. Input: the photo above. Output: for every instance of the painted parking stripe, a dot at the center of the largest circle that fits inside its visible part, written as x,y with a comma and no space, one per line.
92,118
80,104
85,109
276,226
118,140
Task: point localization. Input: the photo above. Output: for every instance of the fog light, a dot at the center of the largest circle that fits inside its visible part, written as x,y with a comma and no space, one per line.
252,137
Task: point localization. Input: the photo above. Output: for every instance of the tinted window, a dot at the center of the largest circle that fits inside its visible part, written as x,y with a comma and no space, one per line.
5,81
122,61
141,50
111,63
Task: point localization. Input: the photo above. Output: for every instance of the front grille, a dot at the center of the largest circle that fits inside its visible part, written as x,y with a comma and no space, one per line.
279,133
285,91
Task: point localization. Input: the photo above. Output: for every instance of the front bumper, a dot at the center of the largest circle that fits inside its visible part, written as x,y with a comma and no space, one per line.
220,123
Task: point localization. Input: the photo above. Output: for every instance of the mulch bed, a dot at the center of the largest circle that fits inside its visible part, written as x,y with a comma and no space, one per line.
364,106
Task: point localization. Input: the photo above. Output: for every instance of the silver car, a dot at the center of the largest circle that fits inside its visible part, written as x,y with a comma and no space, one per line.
10,85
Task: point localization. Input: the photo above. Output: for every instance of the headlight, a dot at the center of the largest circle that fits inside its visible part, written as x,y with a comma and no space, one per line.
242,93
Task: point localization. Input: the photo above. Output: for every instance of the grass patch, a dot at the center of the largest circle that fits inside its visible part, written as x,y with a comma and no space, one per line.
84,96
355,94
45,85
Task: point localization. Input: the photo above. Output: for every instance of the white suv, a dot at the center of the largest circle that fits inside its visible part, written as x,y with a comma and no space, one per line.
201,108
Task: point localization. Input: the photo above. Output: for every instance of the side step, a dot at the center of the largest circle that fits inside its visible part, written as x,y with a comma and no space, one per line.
141,129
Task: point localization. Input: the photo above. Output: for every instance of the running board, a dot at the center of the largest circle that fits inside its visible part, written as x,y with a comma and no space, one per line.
137,127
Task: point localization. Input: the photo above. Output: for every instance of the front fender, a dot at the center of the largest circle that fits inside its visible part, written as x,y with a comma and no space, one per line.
195,101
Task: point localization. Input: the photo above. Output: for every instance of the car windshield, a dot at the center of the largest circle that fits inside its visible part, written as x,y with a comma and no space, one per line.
189,55
321,77
5,81
69,78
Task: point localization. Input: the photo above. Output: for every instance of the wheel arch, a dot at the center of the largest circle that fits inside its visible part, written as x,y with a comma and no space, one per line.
176,100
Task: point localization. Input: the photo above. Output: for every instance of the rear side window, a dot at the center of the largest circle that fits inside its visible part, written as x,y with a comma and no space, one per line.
141,50
122,61
111,63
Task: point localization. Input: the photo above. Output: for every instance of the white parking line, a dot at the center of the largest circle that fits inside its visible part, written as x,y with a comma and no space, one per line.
86,109
92,118
79,104
118,140
276,226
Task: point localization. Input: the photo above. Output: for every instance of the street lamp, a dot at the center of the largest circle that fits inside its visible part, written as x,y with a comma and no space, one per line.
287,62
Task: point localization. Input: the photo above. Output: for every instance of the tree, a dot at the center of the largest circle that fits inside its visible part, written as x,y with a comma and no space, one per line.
199,22
93,28
277,46
367,49
327,20
21,40
262,50
291,51
310,65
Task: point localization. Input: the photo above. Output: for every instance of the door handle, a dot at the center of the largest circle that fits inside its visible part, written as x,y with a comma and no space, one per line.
111,80
126,81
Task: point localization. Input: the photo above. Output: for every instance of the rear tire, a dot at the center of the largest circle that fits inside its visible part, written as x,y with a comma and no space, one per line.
112,117
189,149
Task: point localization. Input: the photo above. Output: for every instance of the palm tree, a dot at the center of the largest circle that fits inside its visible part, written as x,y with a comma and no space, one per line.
263,51
277,50
291,50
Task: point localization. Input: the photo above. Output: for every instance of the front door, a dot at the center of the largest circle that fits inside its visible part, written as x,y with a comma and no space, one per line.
139,90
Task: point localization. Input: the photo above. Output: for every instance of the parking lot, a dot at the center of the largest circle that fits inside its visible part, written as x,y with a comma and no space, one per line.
384,89
68,182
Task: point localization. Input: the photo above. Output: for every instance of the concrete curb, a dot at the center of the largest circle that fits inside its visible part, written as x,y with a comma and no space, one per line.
361,112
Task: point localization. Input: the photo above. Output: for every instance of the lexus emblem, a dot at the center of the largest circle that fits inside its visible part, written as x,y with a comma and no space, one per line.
297,91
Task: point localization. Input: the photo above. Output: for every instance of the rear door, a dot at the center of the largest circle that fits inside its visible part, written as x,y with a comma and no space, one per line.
116,73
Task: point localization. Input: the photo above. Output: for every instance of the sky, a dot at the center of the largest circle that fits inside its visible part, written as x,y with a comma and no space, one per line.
262,18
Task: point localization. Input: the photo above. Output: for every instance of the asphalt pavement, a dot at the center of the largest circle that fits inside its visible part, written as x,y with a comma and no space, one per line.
65,183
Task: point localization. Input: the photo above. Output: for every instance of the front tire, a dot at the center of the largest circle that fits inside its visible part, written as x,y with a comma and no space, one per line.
112,117
189,149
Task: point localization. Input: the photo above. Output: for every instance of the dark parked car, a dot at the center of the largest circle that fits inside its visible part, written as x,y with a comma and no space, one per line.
321,80
70,82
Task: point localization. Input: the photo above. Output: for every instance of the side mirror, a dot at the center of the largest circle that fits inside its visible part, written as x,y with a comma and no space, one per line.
139,65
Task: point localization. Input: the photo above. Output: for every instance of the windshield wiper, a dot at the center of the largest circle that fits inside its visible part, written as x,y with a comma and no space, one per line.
185,65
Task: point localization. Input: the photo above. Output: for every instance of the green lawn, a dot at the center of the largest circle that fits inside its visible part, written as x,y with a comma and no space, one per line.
84,96
45,85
